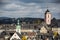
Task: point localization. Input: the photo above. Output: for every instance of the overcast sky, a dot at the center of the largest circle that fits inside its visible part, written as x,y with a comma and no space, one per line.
29,8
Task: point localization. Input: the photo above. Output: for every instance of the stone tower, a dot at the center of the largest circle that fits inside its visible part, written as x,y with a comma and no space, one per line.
48,17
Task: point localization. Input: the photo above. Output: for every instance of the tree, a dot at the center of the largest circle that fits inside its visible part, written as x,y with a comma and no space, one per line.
24,37
55,34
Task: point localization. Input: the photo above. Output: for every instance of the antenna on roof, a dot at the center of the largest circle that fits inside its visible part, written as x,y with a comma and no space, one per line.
47,6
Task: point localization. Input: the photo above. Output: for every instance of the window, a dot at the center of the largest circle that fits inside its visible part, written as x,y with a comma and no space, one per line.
48,16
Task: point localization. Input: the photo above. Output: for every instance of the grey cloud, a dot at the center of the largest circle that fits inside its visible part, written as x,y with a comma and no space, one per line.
41,1
30,9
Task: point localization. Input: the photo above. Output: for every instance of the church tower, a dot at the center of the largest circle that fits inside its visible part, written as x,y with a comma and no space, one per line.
18,27
48,17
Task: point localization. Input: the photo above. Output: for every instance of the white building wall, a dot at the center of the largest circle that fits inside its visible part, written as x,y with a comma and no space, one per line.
48,18
58,30
55,29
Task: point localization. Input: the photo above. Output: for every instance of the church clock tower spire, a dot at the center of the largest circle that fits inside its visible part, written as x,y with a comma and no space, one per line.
18,27
48,17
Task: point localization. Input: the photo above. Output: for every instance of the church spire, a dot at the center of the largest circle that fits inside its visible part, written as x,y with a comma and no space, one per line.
18,27
47,10
48,17
18,22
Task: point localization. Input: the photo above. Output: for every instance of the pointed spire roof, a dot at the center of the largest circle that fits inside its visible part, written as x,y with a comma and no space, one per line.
47,11
18,22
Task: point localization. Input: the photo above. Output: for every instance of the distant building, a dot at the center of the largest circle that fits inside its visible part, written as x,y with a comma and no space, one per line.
48,17
18,27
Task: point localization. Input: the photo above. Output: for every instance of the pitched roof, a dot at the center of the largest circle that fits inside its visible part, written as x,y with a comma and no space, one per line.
47,11
17,35
43,24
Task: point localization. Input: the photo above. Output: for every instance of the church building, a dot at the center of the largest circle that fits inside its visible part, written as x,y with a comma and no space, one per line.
17,34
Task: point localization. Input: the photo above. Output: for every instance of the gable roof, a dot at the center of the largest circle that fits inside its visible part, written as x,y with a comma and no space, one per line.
15,35
43,24
47,11
43,30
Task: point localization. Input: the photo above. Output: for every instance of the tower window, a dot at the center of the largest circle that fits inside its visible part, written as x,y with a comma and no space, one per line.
48,16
